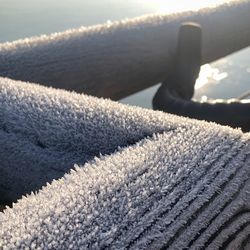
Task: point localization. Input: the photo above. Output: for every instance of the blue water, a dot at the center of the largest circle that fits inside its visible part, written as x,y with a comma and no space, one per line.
228,77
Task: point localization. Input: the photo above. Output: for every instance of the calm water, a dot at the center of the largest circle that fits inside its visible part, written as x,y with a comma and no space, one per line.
228,77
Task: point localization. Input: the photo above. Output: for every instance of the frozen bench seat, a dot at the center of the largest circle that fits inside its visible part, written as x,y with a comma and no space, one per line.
123,177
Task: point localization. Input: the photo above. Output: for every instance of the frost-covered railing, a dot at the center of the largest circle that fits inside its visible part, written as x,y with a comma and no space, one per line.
142,179
115,60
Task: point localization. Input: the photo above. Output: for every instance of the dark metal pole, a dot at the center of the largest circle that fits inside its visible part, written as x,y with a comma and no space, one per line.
175,93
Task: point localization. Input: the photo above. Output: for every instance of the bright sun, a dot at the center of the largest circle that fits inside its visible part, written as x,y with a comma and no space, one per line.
163,6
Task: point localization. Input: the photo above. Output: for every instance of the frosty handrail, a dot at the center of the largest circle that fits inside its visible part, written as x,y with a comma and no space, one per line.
116,60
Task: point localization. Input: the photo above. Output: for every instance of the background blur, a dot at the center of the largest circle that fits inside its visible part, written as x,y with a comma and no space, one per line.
228,77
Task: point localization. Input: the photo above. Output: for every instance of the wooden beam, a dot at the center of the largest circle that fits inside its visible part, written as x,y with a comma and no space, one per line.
125,57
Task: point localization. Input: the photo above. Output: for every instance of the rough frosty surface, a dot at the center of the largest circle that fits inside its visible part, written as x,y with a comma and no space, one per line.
165,182
120,58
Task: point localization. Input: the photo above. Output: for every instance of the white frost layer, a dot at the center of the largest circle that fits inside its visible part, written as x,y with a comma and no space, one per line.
165,182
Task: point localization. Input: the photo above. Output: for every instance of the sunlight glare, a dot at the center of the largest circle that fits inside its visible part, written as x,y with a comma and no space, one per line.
209,74
163,6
